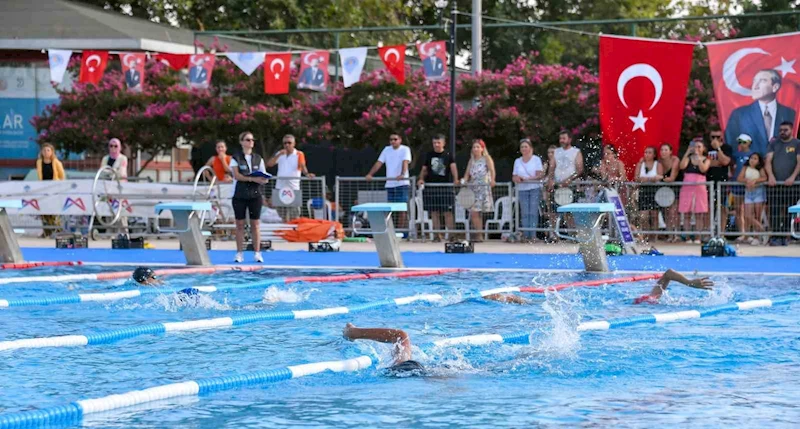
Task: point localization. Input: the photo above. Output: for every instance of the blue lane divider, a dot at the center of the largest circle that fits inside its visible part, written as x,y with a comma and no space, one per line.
74,412
129,293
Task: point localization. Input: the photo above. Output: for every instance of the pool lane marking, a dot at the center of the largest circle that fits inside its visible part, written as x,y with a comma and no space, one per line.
125,274
75,411
133,293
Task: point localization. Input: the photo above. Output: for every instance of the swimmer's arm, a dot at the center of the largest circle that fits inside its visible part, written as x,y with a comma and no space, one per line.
402,351
674,276
507,298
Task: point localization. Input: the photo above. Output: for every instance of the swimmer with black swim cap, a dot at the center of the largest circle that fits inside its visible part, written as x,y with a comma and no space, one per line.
146,276
401,352
670,276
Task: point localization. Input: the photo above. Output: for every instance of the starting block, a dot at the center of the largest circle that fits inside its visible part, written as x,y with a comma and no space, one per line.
9,246
588,217
794,211
380,219
188,225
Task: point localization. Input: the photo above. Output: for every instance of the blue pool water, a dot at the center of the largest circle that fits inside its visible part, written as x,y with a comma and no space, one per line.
733,369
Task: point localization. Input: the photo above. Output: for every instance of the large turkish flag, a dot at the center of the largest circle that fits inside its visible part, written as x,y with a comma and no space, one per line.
93,64
394,57
276,73
642,94
750,74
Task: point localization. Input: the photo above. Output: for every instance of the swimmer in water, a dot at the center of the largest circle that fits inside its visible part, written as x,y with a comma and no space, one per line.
672,276
145,276
507,298
401,352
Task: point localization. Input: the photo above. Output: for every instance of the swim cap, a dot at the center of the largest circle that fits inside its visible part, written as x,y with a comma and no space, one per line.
190,291
646,299
141,274
406,369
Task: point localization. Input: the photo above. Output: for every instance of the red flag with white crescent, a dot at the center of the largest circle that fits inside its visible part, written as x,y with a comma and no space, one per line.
394,57
642,94
276,73
314,70
756,81
133,70
93,64
200,68
176,62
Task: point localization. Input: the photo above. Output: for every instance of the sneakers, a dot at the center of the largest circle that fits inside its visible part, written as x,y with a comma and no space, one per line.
257,257
239,258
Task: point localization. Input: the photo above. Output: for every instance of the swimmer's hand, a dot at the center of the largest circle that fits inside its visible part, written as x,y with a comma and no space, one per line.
701,283
347,330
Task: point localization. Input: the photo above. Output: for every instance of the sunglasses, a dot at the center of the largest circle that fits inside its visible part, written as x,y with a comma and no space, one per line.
743,141
287,143
393,139
113,145
716,137
249,140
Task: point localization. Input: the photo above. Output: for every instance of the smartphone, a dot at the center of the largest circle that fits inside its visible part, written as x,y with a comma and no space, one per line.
691,144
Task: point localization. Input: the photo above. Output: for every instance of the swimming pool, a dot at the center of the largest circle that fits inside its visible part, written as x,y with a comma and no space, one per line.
726,369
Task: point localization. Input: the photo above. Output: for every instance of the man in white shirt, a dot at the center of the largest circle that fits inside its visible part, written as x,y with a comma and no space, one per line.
567,166
291,163
247,197
396,157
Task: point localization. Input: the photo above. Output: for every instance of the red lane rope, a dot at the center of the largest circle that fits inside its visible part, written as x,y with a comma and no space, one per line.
590,283
26,265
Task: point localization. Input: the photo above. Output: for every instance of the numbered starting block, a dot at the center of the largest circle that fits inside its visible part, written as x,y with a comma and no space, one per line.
588,218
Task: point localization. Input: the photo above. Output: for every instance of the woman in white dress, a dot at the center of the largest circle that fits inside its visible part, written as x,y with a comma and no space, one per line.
480,176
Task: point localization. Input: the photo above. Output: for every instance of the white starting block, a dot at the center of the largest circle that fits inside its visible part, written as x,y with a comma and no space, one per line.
590,239
188,225
794,211
9,246
380,220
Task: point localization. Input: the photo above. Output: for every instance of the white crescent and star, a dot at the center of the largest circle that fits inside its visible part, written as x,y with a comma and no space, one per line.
129,60
279,62
389,52
638,121
786,67
89,62
310,57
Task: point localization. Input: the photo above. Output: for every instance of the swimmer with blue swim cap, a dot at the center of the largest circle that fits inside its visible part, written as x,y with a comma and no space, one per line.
672,276
401,352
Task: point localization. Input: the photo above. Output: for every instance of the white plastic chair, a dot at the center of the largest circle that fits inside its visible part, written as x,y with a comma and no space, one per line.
502,216
461,216
324,213
422,218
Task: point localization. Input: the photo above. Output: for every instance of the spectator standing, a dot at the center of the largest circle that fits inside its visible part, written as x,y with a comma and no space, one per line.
48,167
480,175
720,155
648,172
741,156
670,165
694,198
567,165
247,195
528,174
115,159
396,157
782,165
291,163
439,168
220,162
753,176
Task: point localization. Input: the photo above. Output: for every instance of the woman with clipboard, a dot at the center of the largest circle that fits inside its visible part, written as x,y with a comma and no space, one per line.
249,173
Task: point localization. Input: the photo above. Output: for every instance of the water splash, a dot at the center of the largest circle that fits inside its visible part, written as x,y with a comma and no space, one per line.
561,337
275,295
176,301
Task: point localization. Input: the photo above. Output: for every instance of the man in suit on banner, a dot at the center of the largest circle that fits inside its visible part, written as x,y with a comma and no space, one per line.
760,119
132,77
198,76
433,65
312,77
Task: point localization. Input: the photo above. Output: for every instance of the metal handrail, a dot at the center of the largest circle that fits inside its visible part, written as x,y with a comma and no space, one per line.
197,182
97,200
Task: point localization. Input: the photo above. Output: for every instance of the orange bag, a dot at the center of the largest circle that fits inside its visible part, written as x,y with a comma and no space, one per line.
312,230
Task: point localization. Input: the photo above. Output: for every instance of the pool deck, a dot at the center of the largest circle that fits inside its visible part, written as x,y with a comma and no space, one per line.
488,256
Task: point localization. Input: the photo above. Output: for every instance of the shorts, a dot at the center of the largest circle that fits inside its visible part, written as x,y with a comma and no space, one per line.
398,194
756,196
241,206
438,198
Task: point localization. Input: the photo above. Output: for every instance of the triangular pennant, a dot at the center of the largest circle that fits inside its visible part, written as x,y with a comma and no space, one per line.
394,57
353,60
58,63
247,62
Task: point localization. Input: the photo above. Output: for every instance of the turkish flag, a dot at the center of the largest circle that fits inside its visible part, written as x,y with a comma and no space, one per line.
93,64
394,57
202,65
751,74
642,94
276,73
434,59
133,70
174,61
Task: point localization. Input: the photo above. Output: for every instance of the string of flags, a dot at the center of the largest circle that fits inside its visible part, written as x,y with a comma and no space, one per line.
313,74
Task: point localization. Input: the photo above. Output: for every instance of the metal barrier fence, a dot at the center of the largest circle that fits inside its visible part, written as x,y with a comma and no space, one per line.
654,209
294,197
444,211
351,191
756,214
